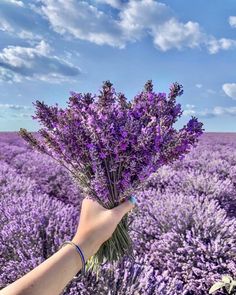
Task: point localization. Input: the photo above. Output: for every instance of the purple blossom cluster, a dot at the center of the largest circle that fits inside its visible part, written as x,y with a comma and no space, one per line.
189,241
184,228
46,174
111,145
32,224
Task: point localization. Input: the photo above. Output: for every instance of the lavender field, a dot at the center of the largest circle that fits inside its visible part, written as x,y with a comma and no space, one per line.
184,230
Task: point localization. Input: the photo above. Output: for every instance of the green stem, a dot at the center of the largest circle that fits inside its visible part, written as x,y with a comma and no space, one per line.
113,249
110,184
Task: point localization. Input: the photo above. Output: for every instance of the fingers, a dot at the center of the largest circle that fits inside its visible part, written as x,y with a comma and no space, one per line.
120,210
125,207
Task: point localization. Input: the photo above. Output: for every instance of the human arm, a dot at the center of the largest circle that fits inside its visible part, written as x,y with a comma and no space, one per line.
96,225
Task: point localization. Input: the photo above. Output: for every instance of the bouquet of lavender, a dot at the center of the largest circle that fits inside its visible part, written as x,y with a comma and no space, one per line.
111,145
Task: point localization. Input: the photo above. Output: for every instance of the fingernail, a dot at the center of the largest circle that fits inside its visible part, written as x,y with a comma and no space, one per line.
133,200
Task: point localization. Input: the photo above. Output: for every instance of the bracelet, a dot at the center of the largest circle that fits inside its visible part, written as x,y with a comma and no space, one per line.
80,252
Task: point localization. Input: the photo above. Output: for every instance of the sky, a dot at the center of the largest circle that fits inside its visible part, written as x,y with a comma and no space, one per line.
51,47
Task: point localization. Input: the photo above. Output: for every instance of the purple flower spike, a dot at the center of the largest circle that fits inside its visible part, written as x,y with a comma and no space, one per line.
110,145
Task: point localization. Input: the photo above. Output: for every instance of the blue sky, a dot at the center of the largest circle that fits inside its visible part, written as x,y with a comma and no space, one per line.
49,47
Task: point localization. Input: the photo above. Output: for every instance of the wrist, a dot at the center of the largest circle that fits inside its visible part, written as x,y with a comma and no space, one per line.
87,247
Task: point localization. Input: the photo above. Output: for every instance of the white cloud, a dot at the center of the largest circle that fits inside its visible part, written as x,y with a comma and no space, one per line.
208,113
37,62
219,111
5,26
174,34
190,110
133,20
113,3
18,20
15,2
15,111
100,29
9,76
18,56
198,85
232,21
138,18
7,106
190,106
27,35
215,45
16,115
230,89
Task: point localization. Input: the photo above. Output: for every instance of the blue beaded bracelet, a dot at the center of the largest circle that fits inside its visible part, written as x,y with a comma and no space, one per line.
80,252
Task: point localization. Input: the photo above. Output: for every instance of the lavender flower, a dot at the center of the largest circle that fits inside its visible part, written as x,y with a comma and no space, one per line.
31,229
110,146
189,239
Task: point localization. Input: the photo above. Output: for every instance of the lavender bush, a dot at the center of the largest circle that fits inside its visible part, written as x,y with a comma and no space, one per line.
182,235
34,233
184,241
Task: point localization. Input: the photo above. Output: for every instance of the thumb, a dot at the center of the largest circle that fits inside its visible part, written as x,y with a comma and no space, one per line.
125,207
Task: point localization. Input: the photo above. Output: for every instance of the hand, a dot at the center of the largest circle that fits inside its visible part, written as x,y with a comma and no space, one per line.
97,224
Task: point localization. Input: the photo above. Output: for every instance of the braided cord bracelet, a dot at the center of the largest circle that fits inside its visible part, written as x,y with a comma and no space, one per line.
80,252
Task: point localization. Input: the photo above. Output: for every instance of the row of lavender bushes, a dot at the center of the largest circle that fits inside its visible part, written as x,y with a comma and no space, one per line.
184,241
